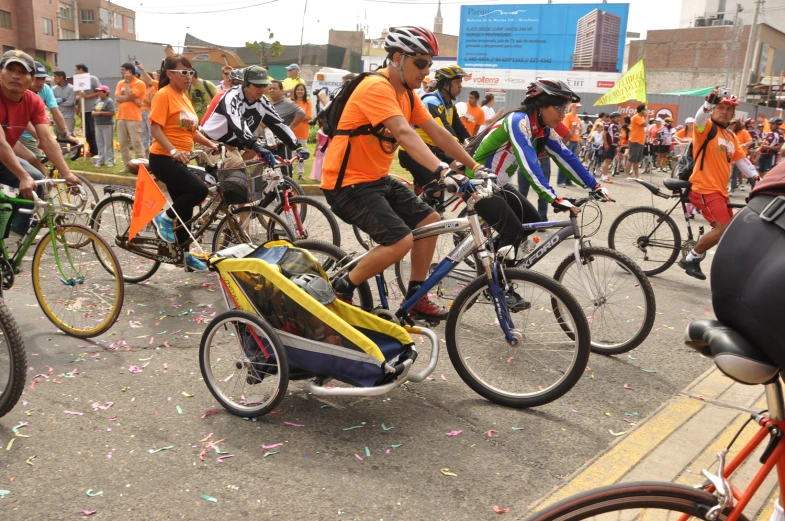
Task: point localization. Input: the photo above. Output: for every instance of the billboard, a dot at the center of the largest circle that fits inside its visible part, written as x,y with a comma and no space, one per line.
545,39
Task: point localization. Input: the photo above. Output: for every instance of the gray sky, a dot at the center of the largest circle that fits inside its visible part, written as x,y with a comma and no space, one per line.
233,22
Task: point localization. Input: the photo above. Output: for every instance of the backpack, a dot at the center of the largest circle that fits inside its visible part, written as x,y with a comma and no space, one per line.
687,159
332,116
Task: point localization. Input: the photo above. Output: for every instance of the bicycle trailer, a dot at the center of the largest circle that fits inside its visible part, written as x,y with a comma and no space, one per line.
332,341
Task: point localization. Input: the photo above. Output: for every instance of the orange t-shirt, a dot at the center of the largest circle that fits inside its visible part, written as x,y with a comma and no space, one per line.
721,152
573,122
129,109
683,135
175,113
477,118
638,129
373,101
301,130
149,92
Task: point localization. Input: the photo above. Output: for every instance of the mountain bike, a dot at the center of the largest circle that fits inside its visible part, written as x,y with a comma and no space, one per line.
75,293
141,257
650,236
516,337
716,499
13,360
595,160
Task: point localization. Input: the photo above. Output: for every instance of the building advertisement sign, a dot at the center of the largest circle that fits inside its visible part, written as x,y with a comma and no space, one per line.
655,110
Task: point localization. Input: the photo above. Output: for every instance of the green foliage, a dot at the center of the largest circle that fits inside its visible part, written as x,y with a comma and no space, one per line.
48,66
266,50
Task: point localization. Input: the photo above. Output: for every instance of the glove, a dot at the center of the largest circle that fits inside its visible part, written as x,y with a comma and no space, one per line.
459,181
482,172
268,156
562,205
302,154
600,192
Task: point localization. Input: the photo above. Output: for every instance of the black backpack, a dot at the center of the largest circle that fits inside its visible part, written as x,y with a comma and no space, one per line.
687,159
332,116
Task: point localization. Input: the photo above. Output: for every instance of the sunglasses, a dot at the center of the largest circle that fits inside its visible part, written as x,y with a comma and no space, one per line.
420,63
183,72
226,74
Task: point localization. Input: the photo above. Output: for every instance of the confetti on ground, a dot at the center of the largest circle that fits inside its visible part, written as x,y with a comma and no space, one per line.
74,413
153,451
211,499
386,428
648,370
274,445
396,445
179,410
358,457
367,452
446,472
444,378
202,454
134,369
210,412
500,510
617,433
452,433
294,424
10,443
4,492
29,460
628,387
517,428
94,494
631,357
271,453
187,395
86,512
222,458
491,432
355,427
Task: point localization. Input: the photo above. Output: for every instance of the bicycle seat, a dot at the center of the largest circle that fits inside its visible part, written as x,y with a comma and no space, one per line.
676,184
133,165
650,187
734,355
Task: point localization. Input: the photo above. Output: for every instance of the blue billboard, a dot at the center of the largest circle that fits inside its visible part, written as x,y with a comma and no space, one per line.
549,37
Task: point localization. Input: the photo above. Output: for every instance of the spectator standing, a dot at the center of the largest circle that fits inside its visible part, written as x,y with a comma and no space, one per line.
637,141
301,131
89,96
573,123
128,97
66,99
770,146
201,93
487,109
226,81
322,142
287,110
103,113
292,79
474,117
150,88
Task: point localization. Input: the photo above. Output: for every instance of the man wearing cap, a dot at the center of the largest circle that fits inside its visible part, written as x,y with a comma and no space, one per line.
20,107
128,96
239,113
293,78
66,99
573,123
89,96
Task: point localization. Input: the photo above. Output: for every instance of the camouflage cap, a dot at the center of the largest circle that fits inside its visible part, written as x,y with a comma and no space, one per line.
256,75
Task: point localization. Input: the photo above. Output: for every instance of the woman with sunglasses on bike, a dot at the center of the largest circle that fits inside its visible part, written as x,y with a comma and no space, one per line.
513,145
173,123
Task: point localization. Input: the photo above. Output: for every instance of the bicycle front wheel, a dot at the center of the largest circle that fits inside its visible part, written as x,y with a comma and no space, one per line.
648,236
13,361
250,225
620,306
637,500
543,362
319,222
74,290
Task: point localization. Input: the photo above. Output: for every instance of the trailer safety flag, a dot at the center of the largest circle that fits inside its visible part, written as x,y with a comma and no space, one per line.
148,201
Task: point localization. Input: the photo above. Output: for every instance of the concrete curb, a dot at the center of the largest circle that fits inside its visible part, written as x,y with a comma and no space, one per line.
130,180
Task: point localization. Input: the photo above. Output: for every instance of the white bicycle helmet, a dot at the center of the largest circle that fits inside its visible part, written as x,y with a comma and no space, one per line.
411,40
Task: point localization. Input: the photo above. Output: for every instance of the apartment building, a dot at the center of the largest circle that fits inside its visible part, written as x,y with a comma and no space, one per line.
30,25
103,19
597,42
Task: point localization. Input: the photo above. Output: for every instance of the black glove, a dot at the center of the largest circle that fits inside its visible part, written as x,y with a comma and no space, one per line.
562,205
268,156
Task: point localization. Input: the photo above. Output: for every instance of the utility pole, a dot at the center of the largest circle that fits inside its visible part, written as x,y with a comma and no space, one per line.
745,76
739,8
302,31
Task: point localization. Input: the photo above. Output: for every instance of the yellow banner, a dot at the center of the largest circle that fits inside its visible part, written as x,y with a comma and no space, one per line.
631,86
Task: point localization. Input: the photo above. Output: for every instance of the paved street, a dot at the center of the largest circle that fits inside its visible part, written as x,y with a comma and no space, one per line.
72,448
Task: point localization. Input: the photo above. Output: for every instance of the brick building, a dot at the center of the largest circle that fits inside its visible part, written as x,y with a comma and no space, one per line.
103,19
30,25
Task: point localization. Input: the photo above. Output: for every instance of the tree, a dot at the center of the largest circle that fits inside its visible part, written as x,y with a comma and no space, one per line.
266,50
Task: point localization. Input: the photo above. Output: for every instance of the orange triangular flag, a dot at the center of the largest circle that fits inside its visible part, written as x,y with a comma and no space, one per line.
148,201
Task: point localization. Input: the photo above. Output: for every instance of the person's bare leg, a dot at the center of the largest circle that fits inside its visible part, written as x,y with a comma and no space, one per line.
422,251
711,239
636,167
379,259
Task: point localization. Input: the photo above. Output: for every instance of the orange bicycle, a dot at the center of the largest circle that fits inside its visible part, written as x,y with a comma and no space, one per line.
717,499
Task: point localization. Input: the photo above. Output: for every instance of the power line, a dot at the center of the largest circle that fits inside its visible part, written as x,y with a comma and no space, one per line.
209,12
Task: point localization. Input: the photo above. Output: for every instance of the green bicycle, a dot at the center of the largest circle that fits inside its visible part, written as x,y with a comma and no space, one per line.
72,287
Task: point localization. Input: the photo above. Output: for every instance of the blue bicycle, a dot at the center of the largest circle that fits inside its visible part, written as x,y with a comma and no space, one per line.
516,337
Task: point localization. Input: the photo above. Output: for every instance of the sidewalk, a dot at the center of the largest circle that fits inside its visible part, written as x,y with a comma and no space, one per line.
681,438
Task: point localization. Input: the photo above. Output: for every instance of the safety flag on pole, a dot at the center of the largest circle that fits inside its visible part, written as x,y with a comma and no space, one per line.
148,201
631,86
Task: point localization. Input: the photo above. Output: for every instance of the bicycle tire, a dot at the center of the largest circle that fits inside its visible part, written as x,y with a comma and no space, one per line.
135,268
614,284
209,366
274,228
91,191
577,350
623,497
75,306
337,258
12,337
639,252
312,206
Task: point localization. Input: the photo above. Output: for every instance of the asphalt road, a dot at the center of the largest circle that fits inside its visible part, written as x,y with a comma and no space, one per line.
66,457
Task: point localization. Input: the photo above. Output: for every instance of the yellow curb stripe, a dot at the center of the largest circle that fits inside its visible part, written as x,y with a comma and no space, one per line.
615,463
711,387
767,510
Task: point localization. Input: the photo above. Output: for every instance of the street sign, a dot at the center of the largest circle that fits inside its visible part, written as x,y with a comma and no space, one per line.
82,82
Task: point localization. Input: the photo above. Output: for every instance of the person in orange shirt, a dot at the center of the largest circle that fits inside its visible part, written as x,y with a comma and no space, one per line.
745,142
637,141
173,123
128,96
355,172
151,87
300,97
711,174
572,122
474,117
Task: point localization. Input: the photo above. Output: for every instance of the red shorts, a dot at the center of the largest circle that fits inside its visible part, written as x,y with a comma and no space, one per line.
713,206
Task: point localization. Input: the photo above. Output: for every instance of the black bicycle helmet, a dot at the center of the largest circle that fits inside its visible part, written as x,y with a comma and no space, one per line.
316,287
551,87
614,114
775,121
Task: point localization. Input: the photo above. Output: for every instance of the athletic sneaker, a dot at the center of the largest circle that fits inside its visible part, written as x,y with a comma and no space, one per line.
693,269
193,263
164,227
427,310
515,302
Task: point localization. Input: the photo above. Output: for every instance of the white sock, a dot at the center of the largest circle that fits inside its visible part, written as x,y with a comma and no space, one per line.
694,256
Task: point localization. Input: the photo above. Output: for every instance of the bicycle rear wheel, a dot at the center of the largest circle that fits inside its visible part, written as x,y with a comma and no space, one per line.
255,225
319,222
648,236
621,306
545,362
75,291
637,500
13,361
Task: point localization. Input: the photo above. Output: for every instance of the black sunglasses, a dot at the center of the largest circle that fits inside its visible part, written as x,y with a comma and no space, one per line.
420,63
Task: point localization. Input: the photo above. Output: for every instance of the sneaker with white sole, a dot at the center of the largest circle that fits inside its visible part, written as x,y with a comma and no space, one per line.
193,263
164,227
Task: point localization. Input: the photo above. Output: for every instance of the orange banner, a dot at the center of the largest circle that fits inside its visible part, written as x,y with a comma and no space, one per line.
148,201
655,110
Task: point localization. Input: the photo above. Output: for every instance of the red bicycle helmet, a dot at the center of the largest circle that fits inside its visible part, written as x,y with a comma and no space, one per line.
551,87
733,101
411,40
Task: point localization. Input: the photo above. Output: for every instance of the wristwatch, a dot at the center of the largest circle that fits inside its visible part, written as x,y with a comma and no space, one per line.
173,152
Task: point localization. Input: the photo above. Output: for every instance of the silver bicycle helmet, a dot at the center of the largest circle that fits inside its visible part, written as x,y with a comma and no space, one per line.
316,287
